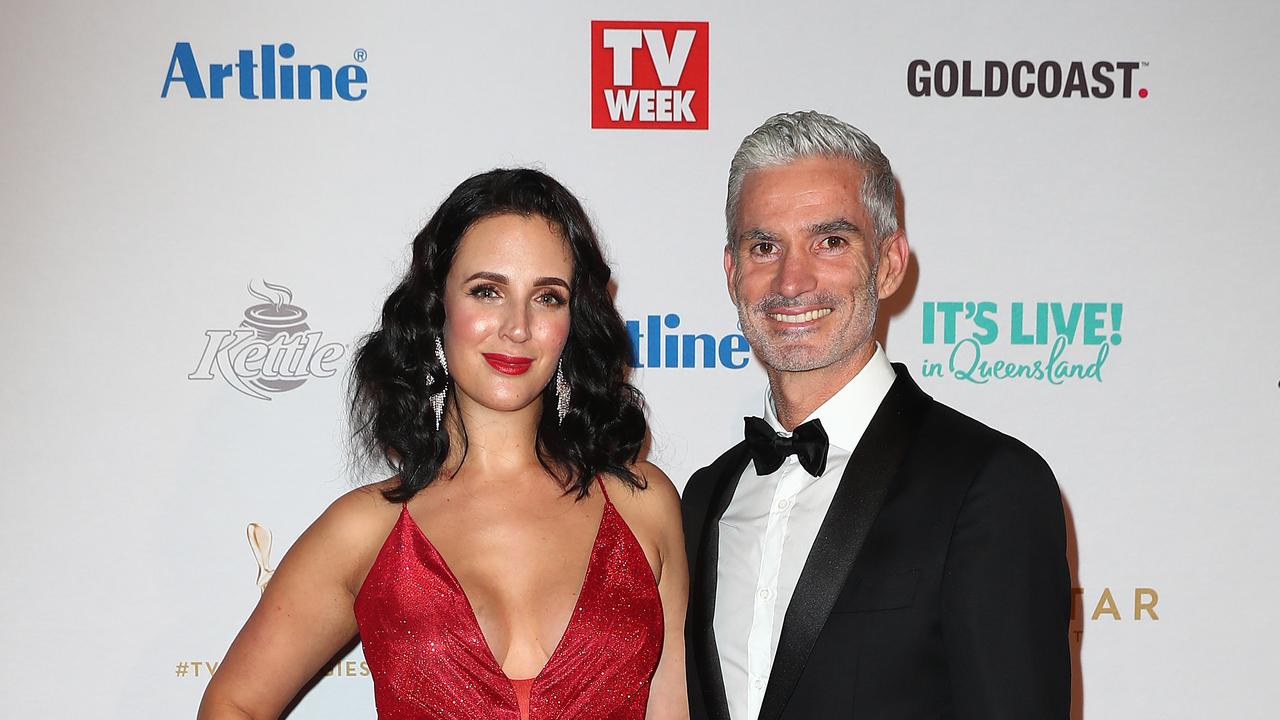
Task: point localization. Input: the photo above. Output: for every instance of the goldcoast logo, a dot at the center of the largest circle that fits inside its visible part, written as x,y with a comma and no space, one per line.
273,351
1051,342
1023,79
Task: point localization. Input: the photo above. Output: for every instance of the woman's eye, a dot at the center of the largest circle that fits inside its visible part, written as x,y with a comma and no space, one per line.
483,291
551,298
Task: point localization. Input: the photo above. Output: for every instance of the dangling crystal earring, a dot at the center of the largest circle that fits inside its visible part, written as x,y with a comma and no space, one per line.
437,399
562,391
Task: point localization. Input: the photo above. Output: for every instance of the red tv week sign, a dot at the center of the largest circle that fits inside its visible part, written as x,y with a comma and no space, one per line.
650,75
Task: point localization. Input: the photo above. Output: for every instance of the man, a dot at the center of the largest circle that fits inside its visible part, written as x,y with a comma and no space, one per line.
866,552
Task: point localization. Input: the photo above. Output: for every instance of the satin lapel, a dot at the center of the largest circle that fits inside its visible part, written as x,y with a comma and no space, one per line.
702,596
857,501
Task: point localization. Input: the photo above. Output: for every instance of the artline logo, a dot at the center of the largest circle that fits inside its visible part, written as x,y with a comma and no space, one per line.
266,76
649,75
273,350
654,345
1023,79
1052,342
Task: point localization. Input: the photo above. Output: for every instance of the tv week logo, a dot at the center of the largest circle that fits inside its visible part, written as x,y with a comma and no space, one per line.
649,75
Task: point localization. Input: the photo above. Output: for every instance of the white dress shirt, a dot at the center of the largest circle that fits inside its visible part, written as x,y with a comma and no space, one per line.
766,533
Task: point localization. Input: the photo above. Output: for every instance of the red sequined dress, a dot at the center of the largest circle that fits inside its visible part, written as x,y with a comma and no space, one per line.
429,658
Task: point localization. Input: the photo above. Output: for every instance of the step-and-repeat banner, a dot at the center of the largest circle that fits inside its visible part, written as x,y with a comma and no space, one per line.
204,206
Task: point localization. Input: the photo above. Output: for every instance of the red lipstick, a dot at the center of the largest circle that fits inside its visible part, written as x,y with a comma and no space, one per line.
508,364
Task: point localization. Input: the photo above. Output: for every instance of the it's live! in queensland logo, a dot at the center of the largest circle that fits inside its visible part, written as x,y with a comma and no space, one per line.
649,74
1050,342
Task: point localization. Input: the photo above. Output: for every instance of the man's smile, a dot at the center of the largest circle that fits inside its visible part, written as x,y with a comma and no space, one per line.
798,316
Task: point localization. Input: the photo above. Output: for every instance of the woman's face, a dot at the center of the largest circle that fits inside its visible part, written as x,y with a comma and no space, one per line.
506,304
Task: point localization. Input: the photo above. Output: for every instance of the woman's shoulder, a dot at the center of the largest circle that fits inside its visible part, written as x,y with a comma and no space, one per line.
361,515
655,486
341,544
355,525
655,506
362,504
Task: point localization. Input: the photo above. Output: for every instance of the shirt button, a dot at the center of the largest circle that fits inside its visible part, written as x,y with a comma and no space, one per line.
783,503
764,593
758,684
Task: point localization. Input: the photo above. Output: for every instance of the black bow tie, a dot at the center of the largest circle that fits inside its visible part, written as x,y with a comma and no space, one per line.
768,449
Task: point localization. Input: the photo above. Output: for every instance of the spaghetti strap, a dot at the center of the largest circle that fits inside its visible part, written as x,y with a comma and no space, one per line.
600,480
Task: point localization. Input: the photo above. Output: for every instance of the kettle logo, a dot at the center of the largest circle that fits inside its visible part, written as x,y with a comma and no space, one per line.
649,75
260,544
273,351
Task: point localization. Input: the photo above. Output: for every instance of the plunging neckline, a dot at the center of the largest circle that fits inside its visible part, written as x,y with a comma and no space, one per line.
471,612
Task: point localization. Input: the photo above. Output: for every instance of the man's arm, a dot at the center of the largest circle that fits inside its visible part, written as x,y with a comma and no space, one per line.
1006,594
693,507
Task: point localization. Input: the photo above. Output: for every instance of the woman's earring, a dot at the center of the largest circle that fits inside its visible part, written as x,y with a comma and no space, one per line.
437,399
562,391
440,355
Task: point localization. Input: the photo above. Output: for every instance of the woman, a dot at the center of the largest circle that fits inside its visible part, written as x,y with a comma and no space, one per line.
521,564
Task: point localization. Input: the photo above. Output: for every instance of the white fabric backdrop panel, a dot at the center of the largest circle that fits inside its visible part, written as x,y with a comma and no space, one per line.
143,232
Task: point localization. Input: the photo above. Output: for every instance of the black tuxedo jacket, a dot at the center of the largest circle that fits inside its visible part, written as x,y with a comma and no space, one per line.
937,586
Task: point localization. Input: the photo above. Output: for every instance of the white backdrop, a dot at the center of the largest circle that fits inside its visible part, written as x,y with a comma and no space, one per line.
135,226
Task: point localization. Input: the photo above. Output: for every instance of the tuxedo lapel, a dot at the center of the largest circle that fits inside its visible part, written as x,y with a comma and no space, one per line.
702,596
857,501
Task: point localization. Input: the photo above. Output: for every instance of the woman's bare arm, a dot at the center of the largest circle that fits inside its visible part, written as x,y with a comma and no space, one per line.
305,616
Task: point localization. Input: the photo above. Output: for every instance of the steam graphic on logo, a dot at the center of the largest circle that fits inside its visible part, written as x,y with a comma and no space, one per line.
260,544
277,316
272,351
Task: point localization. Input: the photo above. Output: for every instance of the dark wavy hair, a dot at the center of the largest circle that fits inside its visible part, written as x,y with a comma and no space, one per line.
391,417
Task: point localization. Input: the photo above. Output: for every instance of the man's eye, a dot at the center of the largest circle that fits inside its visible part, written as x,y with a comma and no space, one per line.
834,241
764,248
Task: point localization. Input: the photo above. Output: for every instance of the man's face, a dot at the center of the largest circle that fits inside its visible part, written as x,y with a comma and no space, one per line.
802,265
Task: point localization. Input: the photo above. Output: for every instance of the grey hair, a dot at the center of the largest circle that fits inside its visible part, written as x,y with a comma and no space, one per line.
788,137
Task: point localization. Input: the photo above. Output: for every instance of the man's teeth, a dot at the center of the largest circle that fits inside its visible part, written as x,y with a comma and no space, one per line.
802,317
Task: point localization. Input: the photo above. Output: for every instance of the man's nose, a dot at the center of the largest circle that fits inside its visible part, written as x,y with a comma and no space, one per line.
796,274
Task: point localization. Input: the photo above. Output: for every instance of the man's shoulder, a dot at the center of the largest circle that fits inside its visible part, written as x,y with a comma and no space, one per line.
972,448
703,479
969,429
941,419
713,469
940,427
